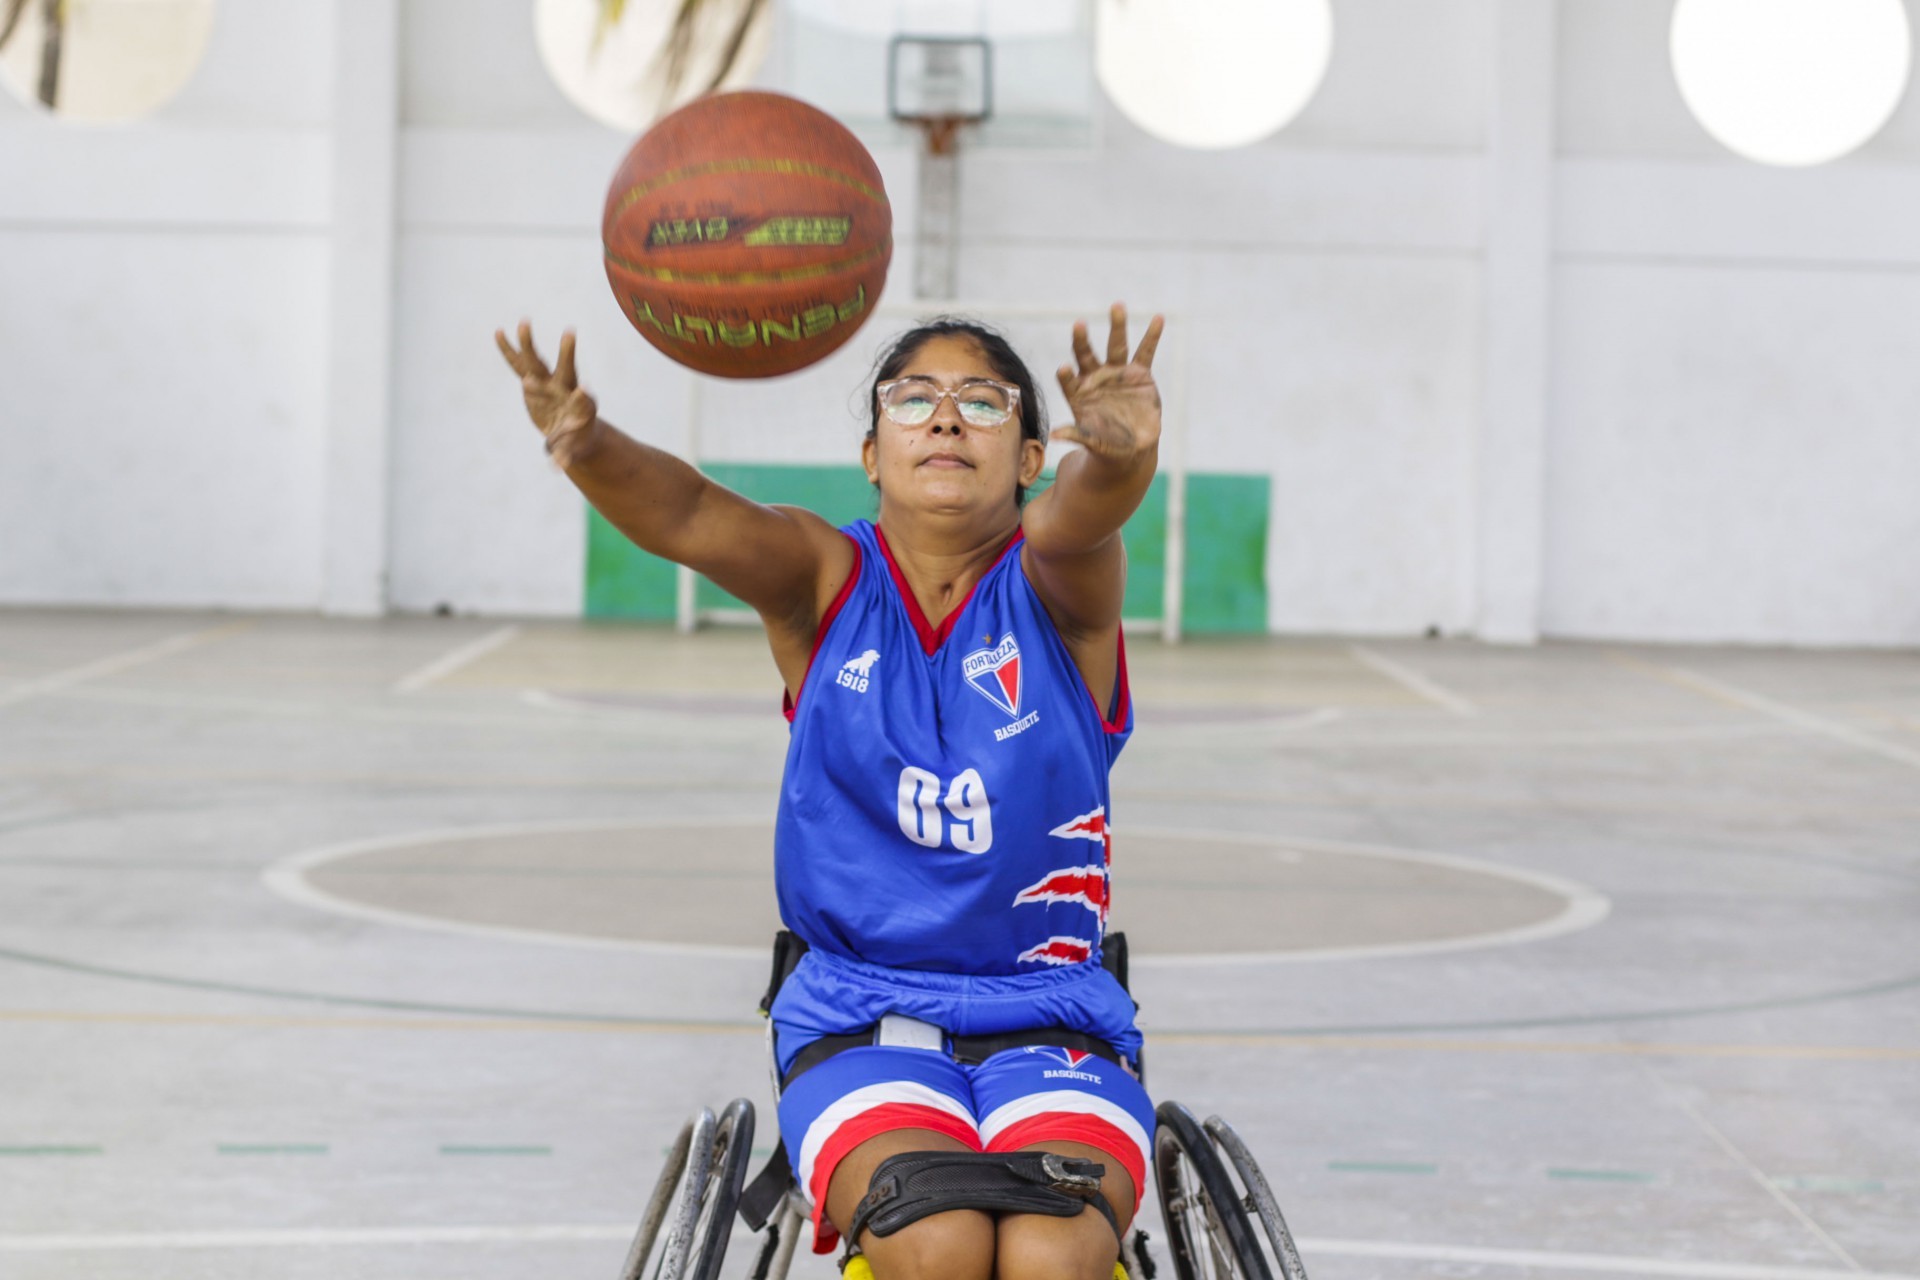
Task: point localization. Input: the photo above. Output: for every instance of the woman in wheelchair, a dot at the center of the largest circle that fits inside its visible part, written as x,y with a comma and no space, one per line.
956,687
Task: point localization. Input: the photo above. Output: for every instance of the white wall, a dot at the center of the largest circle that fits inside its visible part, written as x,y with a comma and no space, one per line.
1735,442
1726,415
162,328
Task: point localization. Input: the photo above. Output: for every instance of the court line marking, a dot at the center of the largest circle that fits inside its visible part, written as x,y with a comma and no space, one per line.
1423,685
1250,1035
336,711
1549,737
287,878
574,1233
1556,1261
314,1236
1721,691
115,663
1584,905
701,704
546,1016
480,1021
1774,1191
448,663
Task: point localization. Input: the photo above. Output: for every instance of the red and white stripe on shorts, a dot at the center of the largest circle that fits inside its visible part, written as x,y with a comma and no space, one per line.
866,1113
1072,1115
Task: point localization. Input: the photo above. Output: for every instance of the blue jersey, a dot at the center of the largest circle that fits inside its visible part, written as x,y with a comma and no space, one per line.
945,800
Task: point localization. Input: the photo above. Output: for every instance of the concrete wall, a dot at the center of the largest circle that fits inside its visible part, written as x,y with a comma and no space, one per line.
1521,349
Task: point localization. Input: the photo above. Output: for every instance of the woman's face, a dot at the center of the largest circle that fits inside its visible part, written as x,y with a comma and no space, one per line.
946,464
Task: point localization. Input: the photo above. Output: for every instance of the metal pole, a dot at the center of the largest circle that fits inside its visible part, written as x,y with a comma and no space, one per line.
936,222
685,616
1174,435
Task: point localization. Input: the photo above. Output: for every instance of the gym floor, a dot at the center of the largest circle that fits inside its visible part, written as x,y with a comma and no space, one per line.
401,949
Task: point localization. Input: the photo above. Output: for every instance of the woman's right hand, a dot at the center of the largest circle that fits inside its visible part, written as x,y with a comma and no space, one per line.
566,415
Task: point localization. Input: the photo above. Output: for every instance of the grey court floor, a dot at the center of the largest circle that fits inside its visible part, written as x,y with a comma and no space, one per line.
401,948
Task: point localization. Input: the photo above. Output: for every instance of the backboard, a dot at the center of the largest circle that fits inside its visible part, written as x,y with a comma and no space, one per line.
842,56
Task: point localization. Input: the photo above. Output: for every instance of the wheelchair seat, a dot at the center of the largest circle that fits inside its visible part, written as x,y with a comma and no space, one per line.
1210,1190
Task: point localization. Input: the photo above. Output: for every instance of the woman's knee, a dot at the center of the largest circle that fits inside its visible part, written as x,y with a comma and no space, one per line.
956,1245
1032,1247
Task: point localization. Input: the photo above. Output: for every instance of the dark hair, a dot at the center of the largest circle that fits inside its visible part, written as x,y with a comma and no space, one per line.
1000,357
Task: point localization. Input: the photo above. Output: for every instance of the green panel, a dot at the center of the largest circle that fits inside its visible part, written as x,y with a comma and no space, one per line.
622,580
1146,539
839,494
1225,578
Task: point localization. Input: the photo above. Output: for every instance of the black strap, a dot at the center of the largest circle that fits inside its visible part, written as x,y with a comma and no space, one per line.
971,1050
977,1049
916,1184
788,947
818,1051
763,1195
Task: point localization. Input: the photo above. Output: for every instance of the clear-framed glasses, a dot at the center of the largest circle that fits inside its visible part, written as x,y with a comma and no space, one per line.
981,402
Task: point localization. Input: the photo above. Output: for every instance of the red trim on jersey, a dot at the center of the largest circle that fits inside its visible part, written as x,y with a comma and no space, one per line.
788,703
1077,1126
885,1118
1122,695
932,637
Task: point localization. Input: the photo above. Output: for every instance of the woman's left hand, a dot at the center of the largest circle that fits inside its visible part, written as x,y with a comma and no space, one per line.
1116,406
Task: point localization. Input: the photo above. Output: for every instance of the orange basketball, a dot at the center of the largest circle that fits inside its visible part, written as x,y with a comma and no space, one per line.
747,234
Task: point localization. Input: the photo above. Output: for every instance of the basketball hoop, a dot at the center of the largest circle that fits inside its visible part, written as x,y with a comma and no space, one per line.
938,84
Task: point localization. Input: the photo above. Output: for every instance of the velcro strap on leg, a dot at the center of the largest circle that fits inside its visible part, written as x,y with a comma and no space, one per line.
914,1184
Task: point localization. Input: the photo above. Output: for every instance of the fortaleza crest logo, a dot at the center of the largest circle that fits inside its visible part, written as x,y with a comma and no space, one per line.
995,674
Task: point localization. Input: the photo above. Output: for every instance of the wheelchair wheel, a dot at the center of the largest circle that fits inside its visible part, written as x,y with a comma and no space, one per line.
1207,1228
695,1199
1258,1197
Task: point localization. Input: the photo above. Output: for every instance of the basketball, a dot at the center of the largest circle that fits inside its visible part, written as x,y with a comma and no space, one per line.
747,234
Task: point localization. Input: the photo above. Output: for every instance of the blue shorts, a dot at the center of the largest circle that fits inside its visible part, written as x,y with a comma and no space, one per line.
1017,1098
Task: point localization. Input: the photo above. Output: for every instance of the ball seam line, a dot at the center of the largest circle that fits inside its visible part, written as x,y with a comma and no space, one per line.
748,166
669,275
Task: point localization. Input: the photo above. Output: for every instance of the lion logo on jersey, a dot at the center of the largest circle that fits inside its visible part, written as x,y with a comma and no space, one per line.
854,672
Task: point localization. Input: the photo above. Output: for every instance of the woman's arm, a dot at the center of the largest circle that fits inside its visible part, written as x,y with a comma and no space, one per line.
787,563
1074,555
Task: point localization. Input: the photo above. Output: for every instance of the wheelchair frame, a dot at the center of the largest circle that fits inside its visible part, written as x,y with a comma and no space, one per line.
1211,1192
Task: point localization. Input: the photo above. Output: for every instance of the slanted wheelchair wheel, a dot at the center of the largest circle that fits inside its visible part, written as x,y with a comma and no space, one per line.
695,1199
1208,1232
1258,1197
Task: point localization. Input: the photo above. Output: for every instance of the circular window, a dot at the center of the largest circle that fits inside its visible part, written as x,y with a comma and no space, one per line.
101,60
626,63
1791,82
1222,74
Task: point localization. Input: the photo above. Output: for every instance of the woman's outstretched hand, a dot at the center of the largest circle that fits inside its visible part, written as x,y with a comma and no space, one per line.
1116,406
566,415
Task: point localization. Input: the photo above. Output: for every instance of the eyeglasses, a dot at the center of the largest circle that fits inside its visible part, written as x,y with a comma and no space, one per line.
912,402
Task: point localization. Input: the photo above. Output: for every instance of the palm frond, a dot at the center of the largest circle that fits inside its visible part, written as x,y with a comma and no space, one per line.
611,11
676,54
12,20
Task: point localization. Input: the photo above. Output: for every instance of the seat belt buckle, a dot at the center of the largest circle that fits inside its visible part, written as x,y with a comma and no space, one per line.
900,1031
